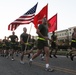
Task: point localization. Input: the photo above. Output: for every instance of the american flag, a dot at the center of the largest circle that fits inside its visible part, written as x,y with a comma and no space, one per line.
26,18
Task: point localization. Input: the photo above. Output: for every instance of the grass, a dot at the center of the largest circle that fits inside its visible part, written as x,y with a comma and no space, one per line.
61,52
58,52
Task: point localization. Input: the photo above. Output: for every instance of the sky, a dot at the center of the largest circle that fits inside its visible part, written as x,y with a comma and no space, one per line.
12,9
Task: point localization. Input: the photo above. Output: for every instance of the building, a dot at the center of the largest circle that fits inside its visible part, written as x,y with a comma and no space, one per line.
64,35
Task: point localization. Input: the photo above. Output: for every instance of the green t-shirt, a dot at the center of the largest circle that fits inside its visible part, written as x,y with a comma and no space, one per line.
13,37
43,29
54,37
24,37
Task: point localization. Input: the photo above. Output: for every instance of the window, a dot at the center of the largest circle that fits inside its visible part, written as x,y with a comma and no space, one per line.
70,32
70,29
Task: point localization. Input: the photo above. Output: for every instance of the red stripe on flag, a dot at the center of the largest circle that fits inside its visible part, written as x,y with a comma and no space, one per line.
24,19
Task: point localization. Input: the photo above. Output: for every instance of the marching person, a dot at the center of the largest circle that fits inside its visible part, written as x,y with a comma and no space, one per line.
23,40
73,45
6,46
42,43
53,45
13,38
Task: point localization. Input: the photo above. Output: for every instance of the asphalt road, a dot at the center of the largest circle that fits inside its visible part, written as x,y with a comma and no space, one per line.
62,66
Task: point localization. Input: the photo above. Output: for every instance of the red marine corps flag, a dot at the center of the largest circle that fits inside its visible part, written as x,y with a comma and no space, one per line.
38,18
52,23
26,18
